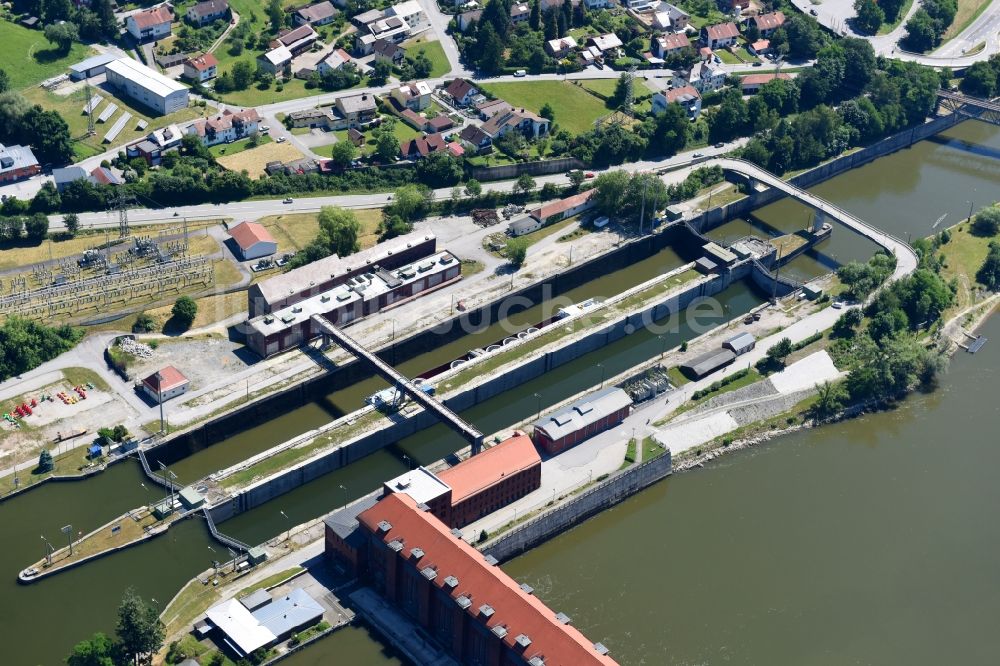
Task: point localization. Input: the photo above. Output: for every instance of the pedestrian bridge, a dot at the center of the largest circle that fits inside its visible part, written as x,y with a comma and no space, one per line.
411,390
906,258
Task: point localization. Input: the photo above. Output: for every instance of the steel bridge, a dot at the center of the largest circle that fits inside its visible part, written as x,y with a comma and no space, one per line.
387,372
970,107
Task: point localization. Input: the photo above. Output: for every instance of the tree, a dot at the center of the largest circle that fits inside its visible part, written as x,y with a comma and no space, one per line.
610,187
473,188
105,17
243,73
45,462
49,135
439,169
140,632
989,273
184,311
410,202
780,350
870,16
576,178
987,222
730,119
981,79
524,184
846,324
829,399
343,153
516,251
62,34
98,650
421,65
921,31
381,71
144,323
386,143
535,18
53,11
339,228
490,48
621,91
47,199
37,227
72,223
276,14
669,131
4,81
547,112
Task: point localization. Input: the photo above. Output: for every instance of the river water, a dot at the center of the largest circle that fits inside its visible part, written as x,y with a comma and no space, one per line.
904,192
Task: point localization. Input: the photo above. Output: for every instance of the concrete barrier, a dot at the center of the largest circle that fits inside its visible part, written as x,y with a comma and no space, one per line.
604,495
537,168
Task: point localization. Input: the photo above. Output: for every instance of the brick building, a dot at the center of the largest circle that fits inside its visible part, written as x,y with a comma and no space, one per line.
466,604
582,419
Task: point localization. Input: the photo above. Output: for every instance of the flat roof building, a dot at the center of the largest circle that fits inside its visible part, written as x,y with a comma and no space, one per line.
92,66
254,622
584,418
146,86
707,363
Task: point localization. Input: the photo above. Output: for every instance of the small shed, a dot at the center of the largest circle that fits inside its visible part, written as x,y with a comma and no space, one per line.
525,225
708,362
705,265
256,555
253,241
191,498
674,212
811,291
719,254
740,344
165,384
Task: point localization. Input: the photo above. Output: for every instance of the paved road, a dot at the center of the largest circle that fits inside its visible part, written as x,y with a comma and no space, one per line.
986,28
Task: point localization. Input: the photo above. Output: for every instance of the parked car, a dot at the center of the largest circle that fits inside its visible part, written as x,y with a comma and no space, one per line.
721,144
280,139
287,200
265,128
589,174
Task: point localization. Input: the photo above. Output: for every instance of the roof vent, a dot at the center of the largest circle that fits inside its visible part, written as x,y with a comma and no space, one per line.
417,553
486,610
527,588
457,533
396,545
562,618
384,526
492,561
523,640
451,582
537,660
600,648
499,631
463,601
430,574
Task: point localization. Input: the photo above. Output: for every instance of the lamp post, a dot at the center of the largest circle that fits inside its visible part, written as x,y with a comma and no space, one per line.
159,397
288,532
538,401
601,366
48,551
68,531
342,487
409,463
663,345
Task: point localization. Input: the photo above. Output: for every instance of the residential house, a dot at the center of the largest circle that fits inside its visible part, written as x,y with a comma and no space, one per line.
639,5
670,17
17,163
733,6
296,40
520,12
687,96
322,118
226,127
720,35
275,61
155,145
320,13
388,51
150,24
669,44
492,107
475,138
767,23
410,13
390,28
462,92
468,19
531,125
332,62
202,68
357,110
760,47
559,48
419,148
66,175
439,124
606,44
415,96
703,77
364,19
104,176
751,83
599,4
210,11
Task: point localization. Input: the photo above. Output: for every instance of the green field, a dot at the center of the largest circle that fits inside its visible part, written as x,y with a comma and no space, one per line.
434,52
236,146
968,11
29,58
402,131
606,87
575,109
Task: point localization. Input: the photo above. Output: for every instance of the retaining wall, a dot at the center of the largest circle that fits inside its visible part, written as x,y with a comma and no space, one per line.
606,494
538,168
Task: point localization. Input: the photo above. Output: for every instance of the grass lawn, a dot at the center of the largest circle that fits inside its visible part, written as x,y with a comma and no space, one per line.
296,230
742,52
727,57
434,52
255,159
575,109
968,11
70,107
237,146
29,59
606,87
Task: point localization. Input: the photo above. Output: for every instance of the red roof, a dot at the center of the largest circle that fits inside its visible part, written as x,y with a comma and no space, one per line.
424,145
769,21
203,62
558,207
523,615
147,18
172,378
675,94
247,234
490,467
722,31
761,79
676,40
456,149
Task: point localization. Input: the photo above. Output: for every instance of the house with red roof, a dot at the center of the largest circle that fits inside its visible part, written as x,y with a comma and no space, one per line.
419,148
462,91
226,127
751,83
201,68
252,241
150,24
164,384
720,35
767,23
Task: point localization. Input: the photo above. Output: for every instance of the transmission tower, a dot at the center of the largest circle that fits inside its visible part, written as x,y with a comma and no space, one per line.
121,202
88,95
626,113
629,77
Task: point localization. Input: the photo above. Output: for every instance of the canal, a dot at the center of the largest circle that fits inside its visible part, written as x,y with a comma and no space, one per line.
41,622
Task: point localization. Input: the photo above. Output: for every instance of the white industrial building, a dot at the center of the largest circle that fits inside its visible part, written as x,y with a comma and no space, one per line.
146,86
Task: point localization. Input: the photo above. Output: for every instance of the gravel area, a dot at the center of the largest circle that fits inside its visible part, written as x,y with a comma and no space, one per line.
201,361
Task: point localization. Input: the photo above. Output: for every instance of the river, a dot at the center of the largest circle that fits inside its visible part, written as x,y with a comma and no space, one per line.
42,621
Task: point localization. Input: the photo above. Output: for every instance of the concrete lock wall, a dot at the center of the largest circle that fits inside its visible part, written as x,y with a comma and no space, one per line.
606,494
537,168
356,449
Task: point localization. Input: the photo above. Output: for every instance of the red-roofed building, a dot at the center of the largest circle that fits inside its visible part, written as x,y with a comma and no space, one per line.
201,68
768,23
751,83
456,149
168,383
470,607
226,127
253,241
567,207
462,91
669,44
419,148
493,479
720,35
151,23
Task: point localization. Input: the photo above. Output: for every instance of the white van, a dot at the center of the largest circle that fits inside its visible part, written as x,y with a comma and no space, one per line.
519,73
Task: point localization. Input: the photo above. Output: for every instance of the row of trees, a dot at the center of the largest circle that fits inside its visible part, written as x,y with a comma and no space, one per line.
621,194
983,78
17,228
26,344
91,21
928,24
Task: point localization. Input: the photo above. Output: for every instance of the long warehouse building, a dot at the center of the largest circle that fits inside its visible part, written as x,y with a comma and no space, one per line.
146,86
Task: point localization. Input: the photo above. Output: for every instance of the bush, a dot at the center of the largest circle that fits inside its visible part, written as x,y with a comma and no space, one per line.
45,462
987,222
144,323
516,251
184,311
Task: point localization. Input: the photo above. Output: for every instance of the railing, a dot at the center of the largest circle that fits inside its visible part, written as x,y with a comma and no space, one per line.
227,540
